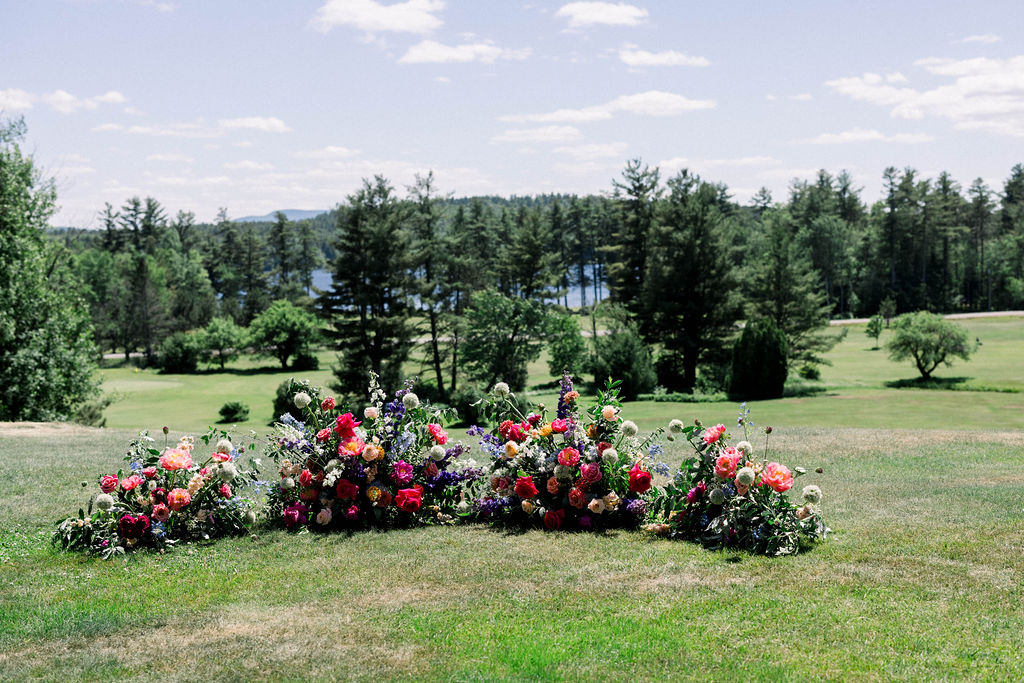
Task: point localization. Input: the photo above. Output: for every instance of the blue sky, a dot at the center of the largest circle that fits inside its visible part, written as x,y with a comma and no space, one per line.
258,106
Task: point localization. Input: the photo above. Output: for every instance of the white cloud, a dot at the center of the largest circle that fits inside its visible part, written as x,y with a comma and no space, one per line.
265,124
868,135
247,165
542,134
59,100
328,152
583,14
133,111
171,158
984,39
650,103
982,94
14,99
442,79
770,98
594,151
432,52
177,130
412,16
637,58
802,97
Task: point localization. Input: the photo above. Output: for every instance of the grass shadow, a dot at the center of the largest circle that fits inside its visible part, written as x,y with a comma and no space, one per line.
947,383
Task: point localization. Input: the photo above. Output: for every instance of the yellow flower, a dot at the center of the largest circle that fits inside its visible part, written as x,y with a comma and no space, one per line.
511,450
373,493
546,430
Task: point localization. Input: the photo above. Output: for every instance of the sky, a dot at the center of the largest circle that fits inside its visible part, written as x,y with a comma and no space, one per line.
260,105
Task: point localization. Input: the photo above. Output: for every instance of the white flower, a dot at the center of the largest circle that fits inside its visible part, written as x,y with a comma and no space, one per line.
302,400
287,483
249,517
745,447
610,456
812,494
371,413
563,472
675,426
151,485
411,401
437,452
224,446
745,476
501,390
717,496
332,465
226,471
104,501
629,428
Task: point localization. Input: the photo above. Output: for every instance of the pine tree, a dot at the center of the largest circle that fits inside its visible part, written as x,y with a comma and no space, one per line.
635,198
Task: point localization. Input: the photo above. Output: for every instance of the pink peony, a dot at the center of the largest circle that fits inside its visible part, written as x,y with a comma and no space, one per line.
221,457
353,512
294,515
777,476
569,457
440,436
713,434
108,483
402,473
559,426
175,459
353,447
131,482
725,465
178,498
161,512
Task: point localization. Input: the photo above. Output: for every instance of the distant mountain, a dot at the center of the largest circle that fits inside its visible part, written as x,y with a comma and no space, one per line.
292,215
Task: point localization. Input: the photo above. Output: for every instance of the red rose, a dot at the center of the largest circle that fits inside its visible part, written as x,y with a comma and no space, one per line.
510,431
430,469
346,490
327,403
534,419
323,435
602,447
440,436
306,478
577,498
346,425
639,480
553,486
525,488
384,500
553,519
133,526
108,483
409,500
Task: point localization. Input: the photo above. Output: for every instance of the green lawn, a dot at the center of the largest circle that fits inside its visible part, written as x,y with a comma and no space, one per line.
921,579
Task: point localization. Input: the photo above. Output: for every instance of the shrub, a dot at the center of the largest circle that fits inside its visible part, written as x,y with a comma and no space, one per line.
234,411
874,328
928,339
179,353
759,365
565,345
669,368
621,353
811,372
305,360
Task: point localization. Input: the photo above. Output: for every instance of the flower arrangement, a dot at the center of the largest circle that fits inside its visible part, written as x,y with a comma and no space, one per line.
575,471
726,496
163,497
392,468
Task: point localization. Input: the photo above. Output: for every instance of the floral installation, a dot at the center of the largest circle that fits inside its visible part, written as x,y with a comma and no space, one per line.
582,470
393,468
726,496
185,492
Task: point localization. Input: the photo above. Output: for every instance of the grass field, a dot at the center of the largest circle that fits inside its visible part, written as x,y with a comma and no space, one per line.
921,579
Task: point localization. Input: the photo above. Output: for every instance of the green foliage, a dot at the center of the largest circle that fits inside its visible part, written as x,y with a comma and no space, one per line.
566,348
929,340
759,362
306,360
47,355
502,337
284,398
874,328
621,353
369,304
284,330
887,309
180,352
636,203
234,411
223,341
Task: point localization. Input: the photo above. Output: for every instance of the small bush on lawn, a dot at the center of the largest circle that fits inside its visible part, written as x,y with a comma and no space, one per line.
234,411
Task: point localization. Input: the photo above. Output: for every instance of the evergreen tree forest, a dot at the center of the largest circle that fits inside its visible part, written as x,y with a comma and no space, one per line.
472,287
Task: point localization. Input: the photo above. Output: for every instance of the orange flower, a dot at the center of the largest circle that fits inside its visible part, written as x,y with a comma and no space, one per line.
778,477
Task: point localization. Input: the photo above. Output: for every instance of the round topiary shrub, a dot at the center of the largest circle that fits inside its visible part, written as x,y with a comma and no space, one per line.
759,365
234,411
179,353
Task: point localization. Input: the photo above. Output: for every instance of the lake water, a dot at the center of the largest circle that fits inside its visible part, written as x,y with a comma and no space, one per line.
322,280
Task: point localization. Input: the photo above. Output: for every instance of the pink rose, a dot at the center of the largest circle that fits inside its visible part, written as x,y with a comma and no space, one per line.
131,482
108,483
327,403
225,491
149,472
590,472
161,512
569,457
440,436
725,465
323,435
559,426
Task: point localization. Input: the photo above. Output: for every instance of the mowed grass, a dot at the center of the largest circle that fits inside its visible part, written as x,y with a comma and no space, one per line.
855,390
921,579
